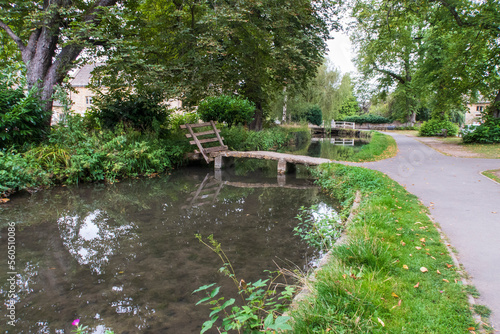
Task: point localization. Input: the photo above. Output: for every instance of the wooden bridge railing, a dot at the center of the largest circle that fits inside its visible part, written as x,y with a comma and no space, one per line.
209,136
343,125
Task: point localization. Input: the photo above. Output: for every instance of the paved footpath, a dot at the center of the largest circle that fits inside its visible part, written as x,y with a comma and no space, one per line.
465,203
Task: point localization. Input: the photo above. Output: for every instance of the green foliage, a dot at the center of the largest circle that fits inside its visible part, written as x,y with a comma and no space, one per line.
349,108
486,133
369,118
434,127
19,172
143,111
20,116
262,305
240,139
72,154
225,108
314,115
176,120
319,229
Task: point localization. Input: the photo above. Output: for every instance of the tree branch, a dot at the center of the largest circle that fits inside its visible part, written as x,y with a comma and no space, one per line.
453,12
12,35
391,74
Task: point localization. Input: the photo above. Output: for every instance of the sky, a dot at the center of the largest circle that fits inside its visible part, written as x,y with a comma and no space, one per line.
340,52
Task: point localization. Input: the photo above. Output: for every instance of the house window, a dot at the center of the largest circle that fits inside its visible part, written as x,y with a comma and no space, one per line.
88,100
479,108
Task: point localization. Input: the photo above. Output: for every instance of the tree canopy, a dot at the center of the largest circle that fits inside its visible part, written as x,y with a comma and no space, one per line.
434,53
186,48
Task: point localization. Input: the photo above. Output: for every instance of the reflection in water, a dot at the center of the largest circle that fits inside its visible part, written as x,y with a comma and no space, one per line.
91,239
330,148
123,257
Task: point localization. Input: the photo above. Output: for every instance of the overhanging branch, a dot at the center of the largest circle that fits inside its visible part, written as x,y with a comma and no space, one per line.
12,35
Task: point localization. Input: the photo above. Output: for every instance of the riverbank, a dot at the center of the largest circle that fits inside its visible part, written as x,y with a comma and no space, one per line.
394,274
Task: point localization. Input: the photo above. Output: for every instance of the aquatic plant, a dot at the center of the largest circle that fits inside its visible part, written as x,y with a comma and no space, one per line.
262,306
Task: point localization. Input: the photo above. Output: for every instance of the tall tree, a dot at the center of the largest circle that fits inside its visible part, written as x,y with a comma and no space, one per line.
50,35
460,54
253,48
387,36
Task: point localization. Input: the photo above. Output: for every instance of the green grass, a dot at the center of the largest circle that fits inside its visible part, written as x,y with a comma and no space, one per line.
493,174
374,283
381,147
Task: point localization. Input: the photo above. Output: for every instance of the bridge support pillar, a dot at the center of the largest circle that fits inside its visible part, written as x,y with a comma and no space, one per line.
281,166
218,162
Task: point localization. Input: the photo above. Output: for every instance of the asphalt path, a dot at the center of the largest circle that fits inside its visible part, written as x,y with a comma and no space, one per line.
463,202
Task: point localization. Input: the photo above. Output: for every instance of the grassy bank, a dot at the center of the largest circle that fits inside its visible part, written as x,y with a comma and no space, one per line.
381,147
393,275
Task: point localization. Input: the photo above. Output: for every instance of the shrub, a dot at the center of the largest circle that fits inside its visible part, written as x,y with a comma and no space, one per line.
21,117
225,108
486,133
373,119
314,115
435,127
239,139
141,111
18,172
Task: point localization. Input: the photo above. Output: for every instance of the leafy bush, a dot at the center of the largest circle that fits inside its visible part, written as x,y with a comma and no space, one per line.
486,133
21,116
435,127
373,119
240,139
225,108
18,172
176,120
141,111
314,115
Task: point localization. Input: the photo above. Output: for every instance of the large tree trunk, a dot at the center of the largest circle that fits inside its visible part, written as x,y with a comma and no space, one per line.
47,61
494,109
256,124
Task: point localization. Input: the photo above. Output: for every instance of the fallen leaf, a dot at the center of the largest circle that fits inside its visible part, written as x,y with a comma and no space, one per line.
381,322
403,243
416,285
405,266
422,240
418,223
418,247
449,265
423,269
394,295
4,200
471,329
438,272
344,276
445,280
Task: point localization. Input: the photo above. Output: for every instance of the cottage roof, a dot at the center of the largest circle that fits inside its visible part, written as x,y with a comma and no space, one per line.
82,76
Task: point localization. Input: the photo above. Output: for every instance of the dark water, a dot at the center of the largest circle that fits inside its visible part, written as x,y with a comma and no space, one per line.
330,148
124,257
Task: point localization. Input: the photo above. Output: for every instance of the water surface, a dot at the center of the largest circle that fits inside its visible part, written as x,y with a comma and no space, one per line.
124,257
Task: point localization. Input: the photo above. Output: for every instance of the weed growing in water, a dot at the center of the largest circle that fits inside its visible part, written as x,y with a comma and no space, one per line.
319,226
262,306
